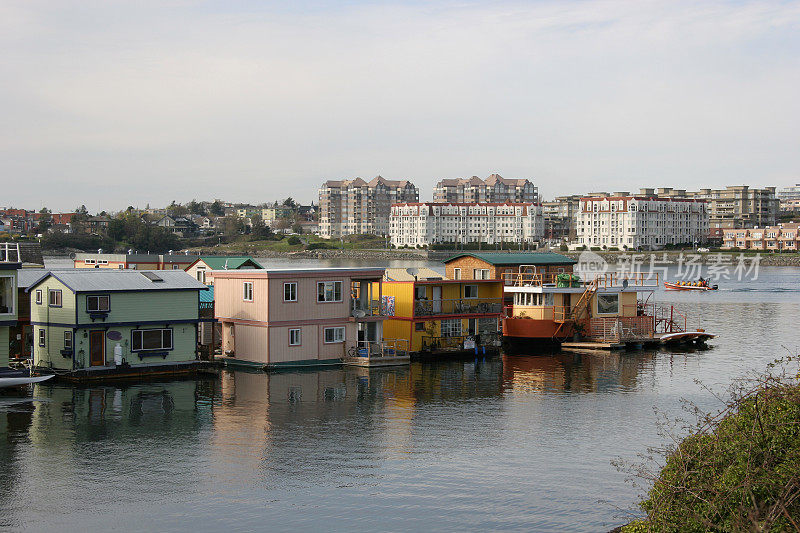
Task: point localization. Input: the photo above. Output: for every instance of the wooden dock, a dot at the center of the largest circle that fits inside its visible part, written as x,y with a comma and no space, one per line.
371,362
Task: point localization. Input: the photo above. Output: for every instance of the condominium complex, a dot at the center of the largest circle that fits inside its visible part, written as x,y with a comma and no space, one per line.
421,224
735,206
355,206
559,217
493,189
783,237
641,221
789,193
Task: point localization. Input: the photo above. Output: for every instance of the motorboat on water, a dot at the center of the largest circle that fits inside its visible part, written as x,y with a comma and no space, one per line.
10,377
699,285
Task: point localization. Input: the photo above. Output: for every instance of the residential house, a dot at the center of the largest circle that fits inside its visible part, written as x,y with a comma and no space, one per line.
500,265
10,263
105,320
204,267
436,314
99,224
134,261
180,226
779,238
279,318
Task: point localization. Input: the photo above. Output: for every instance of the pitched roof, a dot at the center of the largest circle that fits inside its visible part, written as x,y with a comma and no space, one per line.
219,262
106,279
520,258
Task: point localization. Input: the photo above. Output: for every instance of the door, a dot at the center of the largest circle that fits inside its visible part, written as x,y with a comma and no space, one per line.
97,348
437,298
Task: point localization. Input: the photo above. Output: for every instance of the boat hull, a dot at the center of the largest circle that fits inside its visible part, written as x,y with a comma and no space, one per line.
22,380
675,287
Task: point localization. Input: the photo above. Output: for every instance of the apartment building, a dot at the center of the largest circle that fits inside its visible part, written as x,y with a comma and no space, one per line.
735,206
494,189
641,221
348,207
421,224
789,193
559,217
782,237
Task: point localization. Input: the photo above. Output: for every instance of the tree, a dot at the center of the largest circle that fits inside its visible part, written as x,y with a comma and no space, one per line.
289,202
196,208
45,220
216,208
232,226
297,227
177,210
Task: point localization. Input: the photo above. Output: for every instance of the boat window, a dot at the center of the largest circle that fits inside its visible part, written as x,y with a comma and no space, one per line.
607,304
548,299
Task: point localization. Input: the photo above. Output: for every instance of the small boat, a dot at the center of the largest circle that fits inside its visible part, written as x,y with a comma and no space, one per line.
10,377
685,337
700,285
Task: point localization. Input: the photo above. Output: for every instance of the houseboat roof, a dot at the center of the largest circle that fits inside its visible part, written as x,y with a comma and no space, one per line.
301,272
518,258
412,274
221,262
105,280
28,276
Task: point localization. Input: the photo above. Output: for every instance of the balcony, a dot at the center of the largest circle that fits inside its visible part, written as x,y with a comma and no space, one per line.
462,306
361,309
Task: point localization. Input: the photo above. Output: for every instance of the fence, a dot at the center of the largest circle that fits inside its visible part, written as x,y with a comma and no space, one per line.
460,342
384,348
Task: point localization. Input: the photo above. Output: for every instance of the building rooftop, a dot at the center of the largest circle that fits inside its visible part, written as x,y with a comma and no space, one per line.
519,258
229,262
411,274
105,280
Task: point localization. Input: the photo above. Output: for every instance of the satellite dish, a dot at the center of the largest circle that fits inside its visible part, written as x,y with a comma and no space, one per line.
359,313
412,271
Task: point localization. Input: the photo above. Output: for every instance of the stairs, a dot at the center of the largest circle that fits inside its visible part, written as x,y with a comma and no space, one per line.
576,311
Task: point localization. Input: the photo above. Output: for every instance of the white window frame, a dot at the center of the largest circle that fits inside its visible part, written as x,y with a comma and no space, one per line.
480,273
339,335
456,273
54,292
290,284
68,339
140,334
42,337
247,291
295,337
39,298
324,285
470,287
451,330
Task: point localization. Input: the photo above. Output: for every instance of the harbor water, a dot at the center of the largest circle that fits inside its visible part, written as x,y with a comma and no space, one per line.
516,442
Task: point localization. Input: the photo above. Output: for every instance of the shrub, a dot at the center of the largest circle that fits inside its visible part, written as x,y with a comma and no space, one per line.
294,240
319,246
738,470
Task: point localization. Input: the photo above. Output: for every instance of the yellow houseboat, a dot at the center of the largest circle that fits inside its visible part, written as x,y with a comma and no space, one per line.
608,311
439,316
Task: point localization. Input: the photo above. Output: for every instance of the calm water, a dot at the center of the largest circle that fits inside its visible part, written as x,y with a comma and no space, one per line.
511,443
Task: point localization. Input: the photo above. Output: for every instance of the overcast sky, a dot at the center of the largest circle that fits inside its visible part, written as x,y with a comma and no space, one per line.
111,104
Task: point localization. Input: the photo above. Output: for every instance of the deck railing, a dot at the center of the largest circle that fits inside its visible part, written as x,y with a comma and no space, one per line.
457,342
617,329
373,308
605,281
384,348
461,306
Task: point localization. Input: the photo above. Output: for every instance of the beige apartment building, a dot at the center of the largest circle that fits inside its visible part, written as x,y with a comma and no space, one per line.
735,206
779,238
494,189
348,207
559,217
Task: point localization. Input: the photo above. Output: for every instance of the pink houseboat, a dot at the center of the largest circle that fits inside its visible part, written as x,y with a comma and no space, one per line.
285,318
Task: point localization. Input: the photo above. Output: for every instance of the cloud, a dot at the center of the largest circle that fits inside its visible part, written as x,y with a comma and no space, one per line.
113,104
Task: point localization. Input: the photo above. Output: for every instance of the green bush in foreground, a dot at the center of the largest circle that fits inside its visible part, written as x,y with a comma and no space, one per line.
738,471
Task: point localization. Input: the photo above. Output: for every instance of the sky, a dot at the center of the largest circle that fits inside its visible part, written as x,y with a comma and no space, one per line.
111,104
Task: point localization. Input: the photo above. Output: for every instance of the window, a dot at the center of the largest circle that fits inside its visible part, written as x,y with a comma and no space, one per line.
39,297
470,291
151,339
334,335
201,275
329,291
480,273
451,327
294,337
472,326
419,293
176,267
54,297
290,292
419,326
98,304
41,336
607,304
456,273
68,340
247,291
89,261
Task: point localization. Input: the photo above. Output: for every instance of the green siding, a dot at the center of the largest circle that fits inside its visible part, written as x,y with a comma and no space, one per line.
44,313
4,344
146,306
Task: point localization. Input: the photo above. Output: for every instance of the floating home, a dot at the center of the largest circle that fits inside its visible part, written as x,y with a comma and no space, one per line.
204,267
90,324
495,265
440,316
134,261
10,264
605,312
